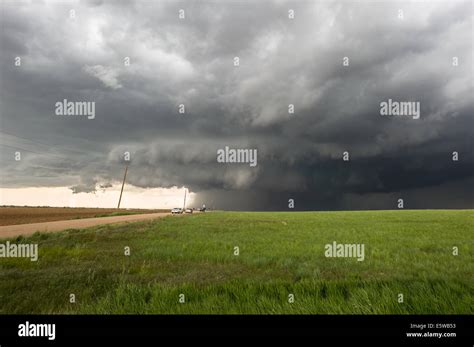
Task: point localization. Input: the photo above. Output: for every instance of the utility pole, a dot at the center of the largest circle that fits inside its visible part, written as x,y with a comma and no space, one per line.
184,205
123,183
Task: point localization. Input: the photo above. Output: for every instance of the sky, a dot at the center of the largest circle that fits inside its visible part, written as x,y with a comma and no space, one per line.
143,63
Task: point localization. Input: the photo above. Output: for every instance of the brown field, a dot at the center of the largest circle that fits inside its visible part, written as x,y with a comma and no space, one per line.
25,215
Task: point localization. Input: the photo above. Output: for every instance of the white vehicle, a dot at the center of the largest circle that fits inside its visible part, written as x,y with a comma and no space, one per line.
189,210
176,210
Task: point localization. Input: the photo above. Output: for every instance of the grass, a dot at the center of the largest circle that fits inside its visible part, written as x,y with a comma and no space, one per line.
408,252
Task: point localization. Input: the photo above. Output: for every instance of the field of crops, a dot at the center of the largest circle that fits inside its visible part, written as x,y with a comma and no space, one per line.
24,215
251,262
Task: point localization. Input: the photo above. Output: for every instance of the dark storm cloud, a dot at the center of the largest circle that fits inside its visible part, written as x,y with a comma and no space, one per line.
282,62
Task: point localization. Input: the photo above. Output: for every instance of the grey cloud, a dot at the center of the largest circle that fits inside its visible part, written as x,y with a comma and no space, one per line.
282,62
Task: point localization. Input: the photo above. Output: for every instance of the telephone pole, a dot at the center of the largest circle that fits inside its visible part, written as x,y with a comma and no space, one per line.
123,183
184,205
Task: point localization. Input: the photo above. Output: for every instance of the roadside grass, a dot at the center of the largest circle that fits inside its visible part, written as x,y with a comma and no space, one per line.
280,253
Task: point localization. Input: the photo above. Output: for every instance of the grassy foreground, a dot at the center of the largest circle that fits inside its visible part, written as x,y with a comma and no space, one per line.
408,252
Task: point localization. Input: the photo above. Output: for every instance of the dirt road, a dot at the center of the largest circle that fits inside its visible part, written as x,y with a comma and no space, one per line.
12,215
28,229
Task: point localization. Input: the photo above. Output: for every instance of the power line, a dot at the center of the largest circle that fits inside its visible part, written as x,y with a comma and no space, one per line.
29,150
42,143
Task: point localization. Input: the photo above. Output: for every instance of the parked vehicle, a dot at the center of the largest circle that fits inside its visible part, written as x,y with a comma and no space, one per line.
176,210
189,210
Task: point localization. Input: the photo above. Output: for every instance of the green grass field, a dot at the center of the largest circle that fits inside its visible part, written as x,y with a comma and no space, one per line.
408,252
